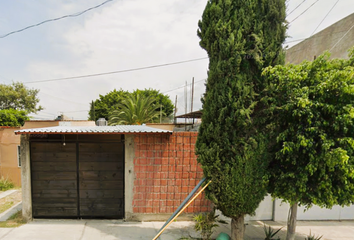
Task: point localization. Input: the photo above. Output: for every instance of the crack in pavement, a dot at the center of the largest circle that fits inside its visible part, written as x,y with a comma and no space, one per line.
83,231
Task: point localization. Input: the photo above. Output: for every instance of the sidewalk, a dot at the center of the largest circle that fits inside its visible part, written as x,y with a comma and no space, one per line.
119,230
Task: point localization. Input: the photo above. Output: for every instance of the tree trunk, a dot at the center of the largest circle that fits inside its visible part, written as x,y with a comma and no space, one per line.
292,222
237,228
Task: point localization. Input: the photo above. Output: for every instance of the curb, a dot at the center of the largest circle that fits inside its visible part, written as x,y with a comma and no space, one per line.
7,193
11,211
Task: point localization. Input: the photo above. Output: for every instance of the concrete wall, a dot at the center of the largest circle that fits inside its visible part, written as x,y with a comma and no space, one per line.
53,123
26,178
164,126
9,143
324,40
129,175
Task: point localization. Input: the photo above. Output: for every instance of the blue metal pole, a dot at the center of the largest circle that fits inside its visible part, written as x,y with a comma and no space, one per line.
184,202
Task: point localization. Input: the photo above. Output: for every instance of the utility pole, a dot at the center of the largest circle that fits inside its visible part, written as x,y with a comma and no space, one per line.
174,117
192,99
185,106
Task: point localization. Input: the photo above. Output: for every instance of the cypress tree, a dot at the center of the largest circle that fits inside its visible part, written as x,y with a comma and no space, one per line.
241,37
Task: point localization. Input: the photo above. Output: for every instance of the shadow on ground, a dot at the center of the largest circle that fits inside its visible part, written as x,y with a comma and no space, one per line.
119,230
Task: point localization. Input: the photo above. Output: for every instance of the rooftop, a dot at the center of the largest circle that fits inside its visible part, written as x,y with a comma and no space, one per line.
120,129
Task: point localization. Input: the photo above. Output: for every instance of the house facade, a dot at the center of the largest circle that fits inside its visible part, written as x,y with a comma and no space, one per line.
130,172
337,38
10,164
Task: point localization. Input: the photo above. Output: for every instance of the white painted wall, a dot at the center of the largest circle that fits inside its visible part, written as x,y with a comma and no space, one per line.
281,211
278,211
264,210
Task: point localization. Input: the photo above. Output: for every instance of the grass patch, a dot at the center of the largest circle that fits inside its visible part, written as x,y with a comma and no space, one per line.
5,184
5,206
15,220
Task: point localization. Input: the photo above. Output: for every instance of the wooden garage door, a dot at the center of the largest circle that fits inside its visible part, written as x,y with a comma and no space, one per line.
54,180
101,174
77,180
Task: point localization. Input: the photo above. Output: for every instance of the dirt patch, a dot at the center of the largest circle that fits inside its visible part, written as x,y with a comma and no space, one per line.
15,220
9,201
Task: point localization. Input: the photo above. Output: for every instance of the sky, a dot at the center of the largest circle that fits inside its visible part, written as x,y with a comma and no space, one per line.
118,36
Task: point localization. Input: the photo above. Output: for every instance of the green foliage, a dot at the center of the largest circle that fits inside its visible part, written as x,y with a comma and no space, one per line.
206,223
106,104
270,233
135,110
17,96
311,113
159,99
13,118
5,184
241,37
92,112
313,237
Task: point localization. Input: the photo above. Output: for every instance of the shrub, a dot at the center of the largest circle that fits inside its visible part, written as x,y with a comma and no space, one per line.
313,237
270,233
206,223
5,184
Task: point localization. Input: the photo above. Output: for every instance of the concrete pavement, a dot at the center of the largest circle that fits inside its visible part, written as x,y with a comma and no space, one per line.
119,230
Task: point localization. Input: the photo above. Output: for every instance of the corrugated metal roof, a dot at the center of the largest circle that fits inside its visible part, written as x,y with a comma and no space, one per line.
195,114
120,129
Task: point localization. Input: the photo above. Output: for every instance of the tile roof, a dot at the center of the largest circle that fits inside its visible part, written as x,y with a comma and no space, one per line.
119,129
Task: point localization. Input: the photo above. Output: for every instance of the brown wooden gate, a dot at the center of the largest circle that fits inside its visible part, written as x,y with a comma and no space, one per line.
77,180
101,180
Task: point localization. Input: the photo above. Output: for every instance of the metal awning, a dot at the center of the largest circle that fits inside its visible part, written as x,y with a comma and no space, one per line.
120,129
195,114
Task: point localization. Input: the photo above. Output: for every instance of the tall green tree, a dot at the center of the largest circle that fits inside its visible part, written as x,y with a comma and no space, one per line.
241,37
92,112
135,110
17,96
106,104
311,118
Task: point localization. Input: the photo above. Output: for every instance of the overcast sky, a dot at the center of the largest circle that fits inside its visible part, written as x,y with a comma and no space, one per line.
120,35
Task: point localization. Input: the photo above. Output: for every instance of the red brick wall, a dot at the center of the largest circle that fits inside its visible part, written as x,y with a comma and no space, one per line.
166,171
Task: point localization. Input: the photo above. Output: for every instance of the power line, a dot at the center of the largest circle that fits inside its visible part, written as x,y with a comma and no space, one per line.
161,92
303,12
314,36
119,71
325,17
341,38
56,19
296,8
62,99
75,111
182,86
296,40
319,43
47,113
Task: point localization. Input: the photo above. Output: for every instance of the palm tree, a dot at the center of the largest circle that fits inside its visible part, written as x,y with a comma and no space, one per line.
135,110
